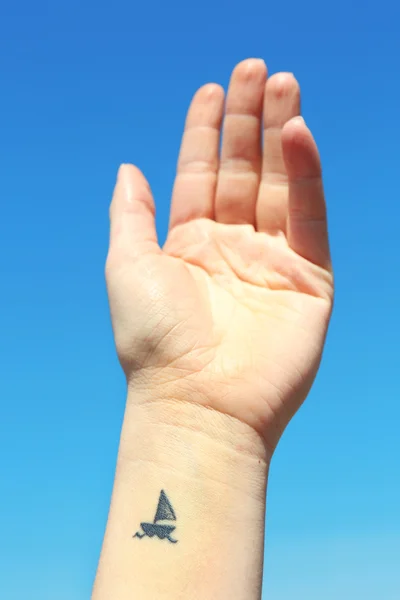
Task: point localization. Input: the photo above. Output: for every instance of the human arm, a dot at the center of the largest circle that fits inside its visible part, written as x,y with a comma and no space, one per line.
220,334
213,470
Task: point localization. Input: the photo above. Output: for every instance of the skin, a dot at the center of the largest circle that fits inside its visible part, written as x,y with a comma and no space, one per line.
220,332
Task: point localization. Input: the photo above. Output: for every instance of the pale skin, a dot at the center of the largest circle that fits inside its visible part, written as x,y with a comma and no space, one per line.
220,334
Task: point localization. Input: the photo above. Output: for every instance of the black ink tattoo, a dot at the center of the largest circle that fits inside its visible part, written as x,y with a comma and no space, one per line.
164,512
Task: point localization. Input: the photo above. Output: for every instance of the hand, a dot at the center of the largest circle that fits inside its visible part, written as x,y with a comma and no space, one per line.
232,313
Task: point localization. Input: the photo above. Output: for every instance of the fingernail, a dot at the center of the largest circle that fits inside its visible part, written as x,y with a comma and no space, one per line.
124,182
259,62
120,174
299,119
250,64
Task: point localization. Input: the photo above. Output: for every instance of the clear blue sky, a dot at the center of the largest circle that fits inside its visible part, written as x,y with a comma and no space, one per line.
87,85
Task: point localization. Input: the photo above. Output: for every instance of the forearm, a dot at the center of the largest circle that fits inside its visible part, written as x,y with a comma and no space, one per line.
213,471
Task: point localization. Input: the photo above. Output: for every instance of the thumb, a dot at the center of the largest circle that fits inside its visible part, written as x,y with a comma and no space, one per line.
132,216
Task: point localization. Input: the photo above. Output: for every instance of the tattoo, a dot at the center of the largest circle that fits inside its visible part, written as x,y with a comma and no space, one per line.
164,512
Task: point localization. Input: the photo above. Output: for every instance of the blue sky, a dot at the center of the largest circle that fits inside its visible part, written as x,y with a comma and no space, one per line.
86,86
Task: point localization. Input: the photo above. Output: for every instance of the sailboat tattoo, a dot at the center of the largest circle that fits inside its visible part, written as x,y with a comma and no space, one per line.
164,512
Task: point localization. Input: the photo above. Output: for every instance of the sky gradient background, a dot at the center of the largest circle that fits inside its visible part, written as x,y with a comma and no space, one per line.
87,85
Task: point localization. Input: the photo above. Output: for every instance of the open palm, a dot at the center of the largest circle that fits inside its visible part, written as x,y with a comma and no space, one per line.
233,311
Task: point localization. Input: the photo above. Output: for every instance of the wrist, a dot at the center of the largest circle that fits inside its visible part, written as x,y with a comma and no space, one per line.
196,441
213,471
